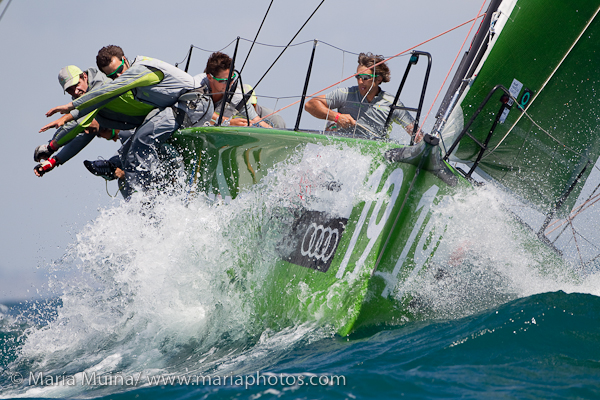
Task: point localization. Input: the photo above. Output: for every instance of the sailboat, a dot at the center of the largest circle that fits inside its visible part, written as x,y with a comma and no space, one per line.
355,216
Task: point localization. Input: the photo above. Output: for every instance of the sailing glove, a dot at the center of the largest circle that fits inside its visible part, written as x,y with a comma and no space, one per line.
44,151
45,166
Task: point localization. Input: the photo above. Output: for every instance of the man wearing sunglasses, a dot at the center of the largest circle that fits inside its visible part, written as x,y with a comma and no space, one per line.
215,78
363,109
73,136
175,97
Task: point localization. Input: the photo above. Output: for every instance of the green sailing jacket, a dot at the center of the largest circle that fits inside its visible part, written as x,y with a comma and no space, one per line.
152,82
122,112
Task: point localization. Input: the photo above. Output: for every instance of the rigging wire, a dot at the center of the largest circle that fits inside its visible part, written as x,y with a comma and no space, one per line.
568,222
340,49
205,50
306,41
213,51
278,45
576,243
290,42
574,213
587,240
591,260
575,233
256,37
5,8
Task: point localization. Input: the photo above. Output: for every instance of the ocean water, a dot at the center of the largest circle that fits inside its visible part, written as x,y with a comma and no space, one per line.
156,301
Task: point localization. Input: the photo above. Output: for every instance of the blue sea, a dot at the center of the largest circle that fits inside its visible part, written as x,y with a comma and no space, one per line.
542,346
145,306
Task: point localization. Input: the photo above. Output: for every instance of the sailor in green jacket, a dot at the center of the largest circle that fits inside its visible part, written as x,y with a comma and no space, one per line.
176,97
73,136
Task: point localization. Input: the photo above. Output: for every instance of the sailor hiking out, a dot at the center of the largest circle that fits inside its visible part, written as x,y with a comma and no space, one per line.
178,100
122,113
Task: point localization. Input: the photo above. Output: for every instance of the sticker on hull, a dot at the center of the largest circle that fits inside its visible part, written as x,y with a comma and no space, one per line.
313,240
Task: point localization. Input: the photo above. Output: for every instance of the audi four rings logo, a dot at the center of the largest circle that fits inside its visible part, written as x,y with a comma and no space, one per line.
319,240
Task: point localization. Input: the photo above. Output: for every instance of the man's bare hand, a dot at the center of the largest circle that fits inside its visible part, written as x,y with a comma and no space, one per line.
58,123
54,124
345,121
238,122
64,109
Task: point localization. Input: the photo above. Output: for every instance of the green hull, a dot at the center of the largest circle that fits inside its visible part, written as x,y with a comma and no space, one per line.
342,267
547,55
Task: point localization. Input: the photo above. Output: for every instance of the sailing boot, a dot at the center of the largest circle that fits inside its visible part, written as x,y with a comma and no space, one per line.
102,168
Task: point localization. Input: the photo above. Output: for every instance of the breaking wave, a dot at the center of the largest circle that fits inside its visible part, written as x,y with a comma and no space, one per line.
170,286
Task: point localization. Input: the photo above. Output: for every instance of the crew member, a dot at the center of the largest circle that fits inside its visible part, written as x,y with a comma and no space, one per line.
215,78
361,111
